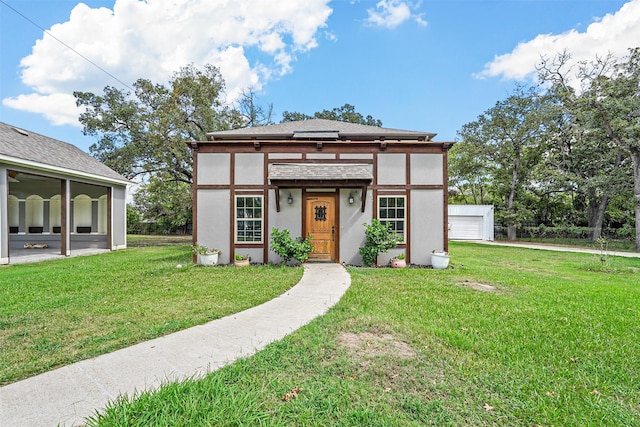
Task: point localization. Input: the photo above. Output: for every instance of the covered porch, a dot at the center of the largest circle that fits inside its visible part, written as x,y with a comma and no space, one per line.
51,217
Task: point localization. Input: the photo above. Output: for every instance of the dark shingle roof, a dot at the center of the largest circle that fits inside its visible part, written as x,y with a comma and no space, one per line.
29,146
319,129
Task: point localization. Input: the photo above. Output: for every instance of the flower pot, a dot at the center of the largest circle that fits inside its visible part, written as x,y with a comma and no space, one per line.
439,261
208,259
398,263
241,262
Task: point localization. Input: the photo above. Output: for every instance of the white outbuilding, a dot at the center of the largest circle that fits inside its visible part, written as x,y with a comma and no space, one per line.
470,222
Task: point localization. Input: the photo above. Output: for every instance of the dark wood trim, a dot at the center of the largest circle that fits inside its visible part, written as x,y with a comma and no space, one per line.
246,245
194,204
336,224
407,210
407,226
265,207
331,161
407,169
374,204
310,183
227,186
277,196
232,206
303,210
445,191
329,147
384,188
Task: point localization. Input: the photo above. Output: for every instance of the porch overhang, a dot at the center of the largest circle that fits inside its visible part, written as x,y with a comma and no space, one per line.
320,175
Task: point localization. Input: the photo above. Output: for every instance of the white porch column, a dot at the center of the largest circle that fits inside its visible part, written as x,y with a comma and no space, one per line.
4,217
65,220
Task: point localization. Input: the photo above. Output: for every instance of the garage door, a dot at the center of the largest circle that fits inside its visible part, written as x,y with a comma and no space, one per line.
465,227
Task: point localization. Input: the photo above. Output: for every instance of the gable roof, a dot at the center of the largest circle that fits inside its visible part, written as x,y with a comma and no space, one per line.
28,148
319,129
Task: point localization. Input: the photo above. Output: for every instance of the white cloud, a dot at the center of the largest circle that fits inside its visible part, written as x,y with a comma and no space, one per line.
392,13
59,108
614,33
249,40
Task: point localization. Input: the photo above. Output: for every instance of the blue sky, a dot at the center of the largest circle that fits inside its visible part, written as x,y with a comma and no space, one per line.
417,65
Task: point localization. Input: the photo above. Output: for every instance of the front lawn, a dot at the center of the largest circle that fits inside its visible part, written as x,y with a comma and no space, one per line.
508,337
57,312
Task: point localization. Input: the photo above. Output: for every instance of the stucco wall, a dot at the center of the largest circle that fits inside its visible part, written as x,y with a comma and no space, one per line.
276,156
392,169
351,228
249,169
427,230
213,221
426,169
214,168
289,217
119,217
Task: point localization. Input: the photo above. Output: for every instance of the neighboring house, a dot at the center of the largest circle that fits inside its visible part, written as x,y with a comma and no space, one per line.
321,178
471,222
56,198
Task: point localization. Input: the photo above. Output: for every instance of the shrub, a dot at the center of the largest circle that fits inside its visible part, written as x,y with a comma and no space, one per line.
288,248
379,238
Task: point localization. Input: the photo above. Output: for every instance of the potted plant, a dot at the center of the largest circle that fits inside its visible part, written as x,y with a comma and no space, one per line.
398,261
206,256
439,259
241,260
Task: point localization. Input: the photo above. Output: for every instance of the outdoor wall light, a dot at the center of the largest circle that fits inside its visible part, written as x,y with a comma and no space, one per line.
351,199
290,199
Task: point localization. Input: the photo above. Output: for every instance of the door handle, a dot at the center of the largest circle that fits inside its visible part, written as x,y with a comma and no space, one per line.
333,233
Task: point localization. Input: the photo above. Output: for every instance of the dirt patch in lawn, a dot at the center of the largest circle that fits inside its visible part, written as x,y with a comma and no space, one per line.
369,344
479,286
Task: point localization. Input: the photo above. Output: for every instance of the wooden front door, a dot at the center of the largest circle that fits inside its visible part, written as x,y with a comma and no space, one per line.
320,223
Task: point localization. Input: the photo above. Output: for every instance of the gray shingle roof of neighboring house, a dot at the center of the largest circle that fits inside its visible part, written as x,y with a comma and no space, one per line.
320,129
24,145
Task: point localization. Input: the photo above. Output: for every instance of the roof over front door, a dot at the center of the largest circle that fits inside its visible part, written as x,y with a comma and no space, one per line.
319,175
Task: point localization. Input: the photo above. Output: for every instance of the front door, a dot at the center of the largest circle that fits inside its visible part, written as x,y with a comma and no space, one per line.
320,223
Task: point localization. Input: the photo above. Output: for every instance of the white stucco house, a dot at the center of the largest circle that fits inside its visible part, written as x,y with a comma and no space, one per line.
321,178
55,198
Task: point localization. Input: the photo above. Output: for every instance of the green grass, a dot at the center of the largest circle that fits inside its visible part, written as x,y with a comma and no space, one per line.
57,312
142,240
555,342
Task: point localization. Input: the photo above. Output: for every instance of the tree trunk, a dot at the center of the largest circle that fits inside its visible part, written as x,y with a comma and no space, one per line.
511,223
598,218
635,159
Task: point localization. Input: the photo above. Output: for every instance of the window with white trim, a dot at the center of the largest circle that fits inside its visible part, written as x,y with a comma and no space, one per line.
391,210
249,219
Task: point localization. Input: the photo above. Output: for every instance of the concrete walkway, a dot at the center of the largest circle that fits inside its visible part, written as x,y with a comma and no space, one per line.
69,394
544,247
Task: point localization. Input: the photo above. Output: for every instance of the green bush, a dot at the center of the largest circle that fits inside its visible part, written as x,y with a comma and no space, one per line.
379,238
288,248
